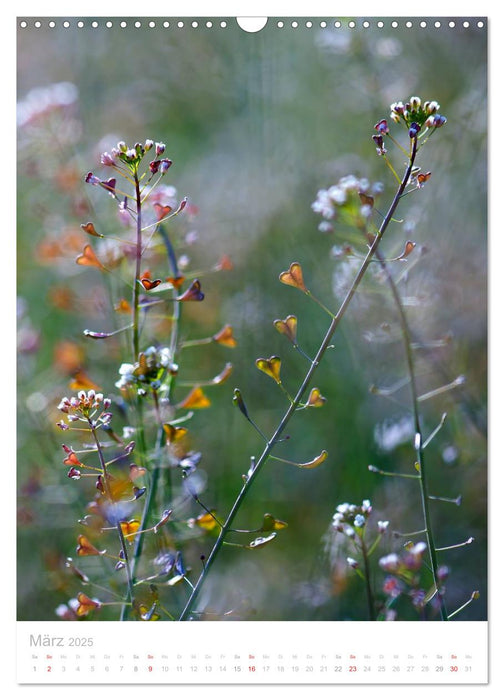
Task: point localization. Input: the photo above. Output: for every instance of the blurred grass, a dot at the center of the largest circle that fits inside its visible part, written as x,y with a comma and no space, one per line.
255,125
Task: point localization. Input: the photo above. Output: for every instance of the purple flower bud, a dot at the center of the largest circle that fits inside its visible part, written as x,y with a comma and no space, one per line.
92,179
182,205
397,108
380,148
439,121
149,143
165,164
418,598
160,148
382,126
431,107
413,130
107,159
392,587
154,166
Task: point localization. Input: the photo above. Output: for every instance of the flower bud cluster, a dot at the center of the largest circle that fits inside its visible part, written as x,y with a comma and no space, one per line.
403,574
152,364
131,156
348,517
406,563
85,406
350,199
415,115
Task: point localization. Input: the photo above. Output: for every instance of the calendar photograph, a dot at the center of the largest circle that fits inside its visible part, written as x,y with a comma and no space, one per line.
251,331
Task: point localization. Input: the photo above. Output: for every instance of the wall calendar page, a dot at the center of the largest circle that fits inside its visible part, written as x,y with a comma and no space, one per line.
251,351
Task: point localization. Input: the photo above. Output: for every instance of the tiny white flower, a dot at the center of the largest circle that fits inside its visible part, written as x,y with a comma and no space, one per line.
349,182
390,562
164,357
419,548
184,261
359,521
126,369
366,506
323,205
337,194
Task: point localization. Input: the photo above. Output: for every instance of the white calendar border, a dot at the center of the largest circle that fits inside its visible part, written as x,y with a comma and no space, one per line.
309,653
273,8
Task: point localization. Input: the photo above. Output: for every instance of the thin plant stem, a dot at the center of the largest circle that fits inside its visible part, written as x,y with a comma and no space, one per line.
108,493
136,309
419,447
103,463
138,263
474,596
302,389
129,576
367,576
152,495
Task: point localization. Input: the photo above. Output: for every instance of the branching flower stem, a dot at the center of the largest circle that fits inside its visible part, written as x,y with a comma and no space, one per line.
152,495
303,387
127,603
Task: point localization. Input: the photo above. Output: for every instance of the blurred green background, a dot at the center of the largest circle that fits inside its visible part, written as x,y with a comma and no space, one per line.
255,125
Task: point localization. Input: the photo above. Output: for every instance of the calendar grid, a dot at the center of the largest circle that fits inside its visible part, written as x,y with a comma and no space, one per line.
252,653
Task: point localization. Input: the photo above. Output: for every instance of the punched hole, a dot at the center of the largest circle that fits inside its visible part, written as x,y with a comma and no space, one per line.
251,24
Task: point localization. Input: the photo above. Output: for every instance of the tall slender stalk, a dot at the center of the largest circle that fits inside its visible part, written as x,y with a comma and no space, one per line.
152,494
367,574
302,388
138,263
424,490
120,533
